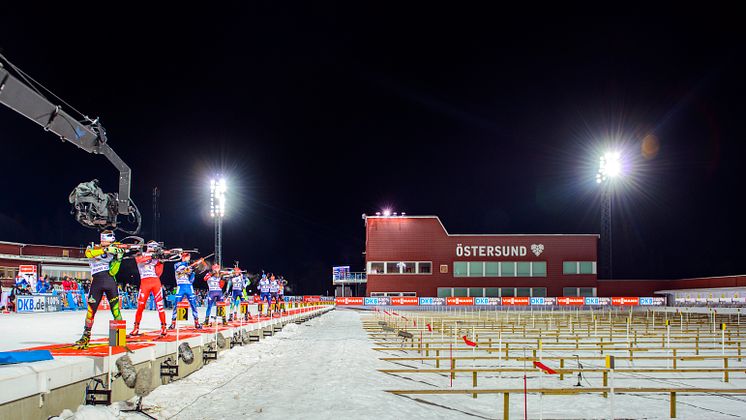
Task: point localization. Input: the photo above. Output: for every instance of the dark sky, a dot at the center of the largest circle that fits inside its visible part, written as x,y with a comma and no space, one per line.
490,119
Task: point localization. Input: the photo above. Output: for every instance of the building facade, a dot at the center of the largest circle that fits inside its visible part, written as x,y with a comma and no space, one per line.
50,260
416,256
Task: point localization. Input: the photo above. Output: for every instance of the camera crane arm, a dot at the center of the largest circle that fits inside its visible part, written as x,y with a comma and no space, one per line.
89,135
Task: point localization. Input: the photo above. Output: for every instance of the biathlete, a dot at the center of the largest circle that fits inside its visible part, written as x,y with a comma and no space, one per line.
214,291
263,287
184,280
281,292
274,288
150,268
104,260
237,290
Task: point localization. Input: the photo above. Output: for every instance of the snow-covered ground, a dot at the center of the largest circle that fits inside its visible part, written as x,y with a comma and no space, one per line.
327,368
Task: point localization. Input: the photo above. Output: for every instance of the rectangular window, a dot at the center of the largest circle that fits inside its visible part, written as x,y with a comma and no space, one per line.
539,292
492,292
409,267
587,291
424,268
523,291
507,269
539,269
459,291
524,269
393,267
569,267
490,269
444,291
476,291
375,268
459,269
569,291
476,269
586,267
507,292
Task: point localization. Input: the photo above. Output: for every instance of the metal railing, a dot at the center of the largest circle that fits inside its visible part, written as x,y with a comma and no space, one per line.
348,278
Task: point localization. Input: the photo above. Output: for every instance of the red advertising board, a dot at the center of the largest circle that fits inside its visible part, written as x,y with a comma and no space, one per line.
349,300
26,269
570,300
312,299
405,301
516,301
625,301
459,301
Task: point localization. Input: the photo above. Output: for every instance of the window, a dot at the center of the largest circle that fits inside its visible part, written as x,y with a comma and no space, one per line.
409,267
507,292
586,267
491,269
424,268
375,268
539,269
569,291
569,267
539,292
459,269
459,291
523,291
476,269
444,291
524,269
507,269
492,292
392,268
476,291
587,291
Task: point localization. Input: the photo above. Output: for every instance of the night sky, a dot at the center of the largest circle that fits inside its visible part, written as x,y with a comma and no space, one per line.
492,120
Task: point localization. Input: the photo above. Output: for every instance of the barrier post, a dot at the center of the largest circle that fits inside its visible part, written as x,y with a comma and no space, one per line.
474,382
506,406
673,405
562,366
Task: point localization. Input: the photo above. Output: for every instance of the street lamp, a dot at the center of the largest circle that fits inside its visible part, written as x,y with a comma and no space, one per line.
217,212
609,169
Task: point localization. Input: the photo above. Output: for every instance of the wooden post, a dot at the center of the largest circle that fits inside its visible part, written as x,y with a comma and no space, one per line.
606,382
437,359
674,359
506,406
739,351
696,344
673,405
506,349
427,349
453,366
474,382
725,366
562,366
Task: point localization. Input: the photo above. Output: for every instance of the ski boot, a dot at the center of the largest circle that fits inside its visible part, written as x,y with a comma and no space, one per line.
135,331
163,330
224,321
230,318
197,325
207,322
172,326
82,344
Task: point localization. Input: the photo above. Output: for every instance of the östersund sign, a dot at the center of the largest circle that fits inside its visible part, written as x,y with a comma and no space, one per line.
497,251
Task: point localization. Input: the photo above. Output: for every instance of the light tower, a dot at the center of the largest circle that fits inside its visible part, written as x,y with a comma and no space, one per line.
217,212
609,168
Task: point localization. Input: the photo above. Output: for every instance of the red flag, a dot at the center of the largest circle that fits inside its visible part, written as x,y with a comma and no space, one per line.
386,312
469,342
545,368
429,328
404,317
415,322
394,313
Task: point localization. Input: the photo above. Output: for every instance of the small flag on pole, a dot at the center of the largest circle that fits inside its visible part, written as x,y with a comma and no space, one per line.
394,313
469,342
545,368
386,312
429,327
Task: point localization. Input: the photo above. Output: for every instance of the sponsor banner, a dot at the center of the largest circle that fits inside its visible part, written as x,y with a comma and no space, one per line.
491,301
30,304
625,301
652,301
326,299
377,301
570,300
459,301
405,301
604,301
312,299
349,301
26,269
542,301
54,303
592,301
432,301
516,301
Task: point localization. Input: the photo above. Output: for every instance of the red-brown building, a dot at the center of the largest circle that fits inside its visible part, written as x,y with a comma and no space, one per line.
416,256
50,260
